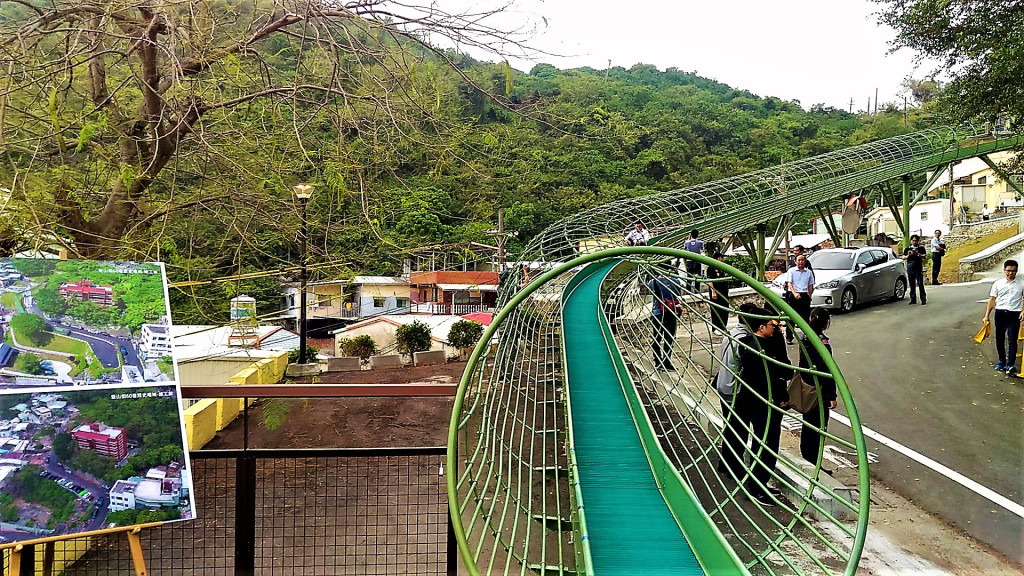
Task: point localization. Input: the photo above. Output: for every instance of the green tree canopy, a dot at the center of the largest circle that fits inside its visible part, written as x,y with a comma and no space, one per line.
465,333
63,446
362,346
979,42
105,102
28,363
32,326
413,337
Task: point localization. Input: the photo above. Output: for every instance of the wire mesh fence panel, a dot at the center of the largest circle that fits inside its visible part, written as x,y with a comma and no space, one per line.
353,515
359,512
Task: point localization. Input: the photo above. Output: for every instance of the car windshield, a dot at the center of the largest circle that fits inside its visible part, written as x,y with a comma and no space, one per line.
832,260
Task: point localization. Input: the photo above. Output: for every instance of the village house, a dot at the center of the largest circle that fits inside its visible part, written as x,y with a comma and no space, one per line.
85,291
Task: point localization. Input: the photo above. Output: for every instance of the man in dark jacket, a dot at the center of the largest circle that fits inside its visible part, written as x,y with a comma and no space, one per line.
760,402
914,256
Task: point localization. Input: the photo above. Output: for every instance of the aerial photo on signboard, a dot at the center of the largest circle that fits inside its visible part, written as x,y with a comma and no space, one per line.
83,322
79,459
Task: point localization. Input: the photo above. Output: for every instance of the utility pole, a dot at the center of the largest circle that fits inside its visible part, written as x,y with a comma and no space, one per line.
501,238
851,105
904,110
868,109
876,100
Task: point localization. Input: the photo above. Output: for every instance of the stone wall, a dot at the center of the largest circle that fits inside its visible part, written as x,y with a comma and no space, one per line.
990,257
961,234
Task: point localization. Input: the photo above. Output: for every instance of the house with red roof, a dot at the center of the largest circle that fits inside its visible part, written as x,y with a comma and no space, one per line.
102,439
85,291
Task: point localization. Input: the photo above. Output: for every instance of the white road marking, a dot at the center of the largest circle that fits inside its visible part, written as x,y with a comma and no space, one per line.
953,475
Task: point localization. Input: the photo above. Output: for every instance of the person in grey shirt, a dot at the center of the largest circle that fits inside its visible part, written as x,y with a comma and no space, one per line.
938,251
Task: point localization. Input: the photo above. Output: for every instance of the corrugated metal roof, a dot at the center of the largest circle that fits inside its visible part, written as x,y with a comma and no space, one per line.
379,280
481,287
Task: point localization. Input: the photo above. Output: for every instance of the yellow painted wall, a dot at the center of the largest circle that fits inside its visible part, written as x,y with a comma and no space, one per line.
201,423
204,418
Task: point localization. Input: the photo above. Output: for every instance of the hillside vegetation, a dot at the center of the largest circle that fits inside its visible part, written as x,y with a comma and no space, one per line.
406,146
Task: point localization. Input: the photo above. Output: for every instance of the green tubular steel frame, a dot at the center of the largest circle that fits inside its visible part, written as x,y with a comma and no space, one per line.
741,202
513,482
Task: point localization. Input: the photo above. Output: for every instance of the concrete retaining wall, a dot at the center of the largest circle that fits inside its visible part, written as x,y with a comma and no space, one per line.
961,234
344,364
990,257
429,358
386,361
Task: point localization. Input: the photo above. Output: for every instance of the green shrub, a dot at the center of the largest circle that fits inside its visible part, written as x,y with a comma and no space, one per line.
414,337
465,333
28,363
311,352
362,346
744,263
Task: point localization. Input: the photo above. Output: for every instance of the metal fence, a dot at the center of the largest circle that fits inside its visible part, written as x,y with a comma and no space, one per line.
295,511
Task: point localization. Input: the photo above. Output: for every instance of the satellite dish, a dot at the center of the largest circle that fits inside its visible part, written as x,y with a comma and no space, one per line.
853,213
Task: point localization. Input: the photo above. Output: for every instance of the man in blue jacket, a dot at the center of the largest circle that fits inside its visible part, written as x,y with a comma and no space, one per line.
666,292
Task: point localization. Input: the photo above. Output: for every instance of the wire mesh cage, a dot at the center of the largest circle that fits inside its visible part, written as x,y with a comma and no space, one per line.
515,479
527,436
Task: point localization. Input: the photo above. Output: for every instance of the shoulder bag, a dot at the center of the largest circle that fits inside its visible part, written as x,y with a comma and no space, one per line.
802,396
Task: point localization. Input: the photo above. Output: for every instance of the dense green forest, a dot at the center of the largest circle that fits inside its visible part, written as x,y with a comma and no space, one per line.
406,146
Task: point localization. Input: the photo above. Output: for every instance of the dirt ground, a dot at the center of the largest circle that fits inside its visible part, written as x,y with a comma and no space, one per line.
355,422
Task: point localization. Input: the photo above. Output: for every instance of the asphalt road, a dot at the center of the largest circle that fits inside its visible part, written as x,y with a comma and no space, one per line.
103,345
918,378
82,481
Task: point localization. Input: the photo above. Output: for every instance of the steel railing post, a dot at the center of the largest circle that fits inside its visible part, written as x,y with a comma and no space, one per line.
245,515
452,562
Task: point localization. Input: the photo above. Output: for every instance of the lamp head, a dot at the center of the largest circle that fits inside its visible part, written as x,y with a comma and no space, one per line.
303,191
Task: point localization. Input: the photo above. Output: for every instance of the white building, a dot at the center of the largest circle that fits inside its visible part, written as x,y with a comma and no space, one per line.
926,217
156,341
204,356
122,496
974,184
381,295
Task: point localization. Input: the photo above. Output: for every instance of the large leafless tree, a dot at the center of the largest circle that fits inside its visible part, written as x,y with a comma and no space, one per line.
110,109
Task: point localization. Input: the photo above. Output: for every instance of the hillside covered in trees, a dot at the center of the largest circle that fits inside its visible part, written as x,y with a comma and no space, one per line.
406,145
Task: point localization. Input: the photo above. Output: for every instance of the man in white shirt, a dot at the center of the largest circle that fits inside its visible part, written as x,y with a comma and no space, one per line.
800,286
638,236
1007,298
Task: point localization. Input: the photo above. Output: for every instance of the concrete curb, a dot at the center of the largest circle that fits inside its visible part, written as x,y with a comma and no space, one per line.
989,257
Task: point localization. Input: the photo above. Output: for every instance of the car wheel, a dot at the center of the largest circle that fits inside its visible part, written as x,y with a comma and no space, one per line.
900,292
848,299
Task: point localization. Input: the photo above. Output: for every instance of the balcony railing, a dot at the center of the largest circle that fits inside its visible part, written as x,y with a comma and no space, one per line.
456,309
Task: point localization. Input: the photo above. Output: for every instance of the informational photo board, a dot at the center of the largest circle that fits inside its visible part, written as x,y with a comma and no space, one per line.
91,422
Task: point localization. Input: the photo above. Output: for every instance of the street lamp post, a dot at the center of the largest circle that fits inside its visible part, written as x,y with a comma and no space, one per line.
303,192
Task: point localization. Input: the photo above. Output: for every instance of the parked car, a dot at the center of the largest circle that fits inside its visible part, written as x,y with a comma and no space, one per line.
845,277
